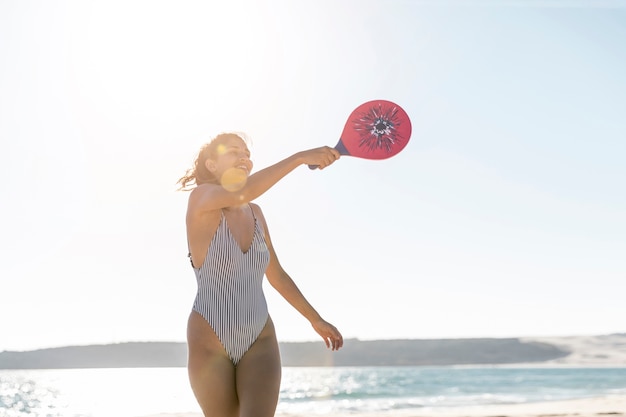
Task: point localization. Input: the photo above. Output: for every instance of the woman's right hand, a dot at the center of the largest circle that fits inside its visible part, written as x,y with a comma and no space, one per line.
319,157
332,337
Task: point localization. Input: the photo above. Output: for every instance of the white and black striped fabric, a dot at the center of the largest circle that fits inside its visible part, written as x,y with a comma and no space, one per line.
230,293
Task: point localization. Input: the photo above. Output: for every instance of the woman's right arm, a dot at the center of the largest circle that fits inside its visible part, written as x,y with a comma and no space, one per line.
209,197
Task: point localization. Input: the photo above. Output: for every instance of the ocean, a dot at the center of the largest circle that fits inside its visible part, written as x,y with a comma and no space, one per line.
135,392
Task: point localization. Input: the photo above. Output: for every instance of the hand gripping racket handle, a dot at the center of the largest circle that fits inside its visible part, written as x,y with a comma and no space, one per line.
342,151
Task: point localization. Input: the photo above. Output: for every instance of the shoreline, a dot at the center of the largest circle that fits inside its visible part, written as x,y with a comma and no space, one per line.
613,405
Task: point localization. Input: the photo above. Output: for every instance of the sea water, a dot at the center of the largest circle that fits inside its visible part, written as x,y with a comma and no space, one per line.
135,392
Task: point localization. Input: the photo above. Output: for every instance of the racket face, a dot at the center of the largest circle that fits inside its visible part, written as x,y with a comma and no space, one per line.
378,129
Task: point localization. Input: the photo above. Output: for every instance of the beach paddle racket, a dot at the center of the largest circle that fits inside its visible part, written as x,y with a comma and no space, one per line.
378,129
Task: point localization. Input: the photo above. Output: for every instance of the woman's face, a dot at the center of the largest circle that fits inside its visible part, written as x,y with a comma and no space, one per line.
231,162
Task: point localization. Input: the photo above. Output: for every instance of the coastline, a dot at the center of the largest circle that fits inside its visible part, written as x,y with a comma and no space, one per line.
614,405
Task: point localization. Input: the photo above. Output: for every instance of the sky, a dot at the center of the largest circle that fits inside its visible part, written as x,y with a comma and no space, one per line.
505,215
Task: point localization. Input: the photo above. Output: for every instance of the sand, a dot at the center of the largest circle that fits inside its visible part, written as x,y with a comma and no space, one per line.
591,407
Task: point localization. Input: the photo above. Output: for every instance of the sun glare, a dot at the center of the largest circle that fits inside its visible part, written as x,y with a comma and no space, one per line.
233,179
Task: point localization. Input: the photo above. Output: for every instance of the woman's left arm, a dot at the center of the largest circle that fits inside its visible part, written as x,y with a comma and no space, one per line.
287,288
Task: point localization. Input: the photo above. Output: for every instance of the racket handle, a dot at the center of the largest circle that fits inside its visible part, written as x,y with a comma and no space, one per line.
313,166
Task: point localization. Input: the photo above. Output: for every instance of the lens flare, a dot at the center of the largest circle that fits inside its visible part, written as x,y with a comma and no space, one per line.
233,179
221,149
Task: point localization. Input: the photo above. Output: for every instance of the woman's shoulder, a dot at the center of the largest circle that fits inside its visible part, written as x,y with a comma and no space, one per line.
201,202
201,189
203,193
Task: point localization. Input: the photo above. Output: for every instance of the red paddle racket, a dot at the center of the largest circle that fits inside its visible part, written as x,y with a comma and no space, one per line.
378,129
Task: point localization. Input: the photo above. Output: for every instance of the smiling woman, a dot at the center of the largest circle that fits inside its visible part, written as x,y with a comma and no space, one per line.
234,361
225,148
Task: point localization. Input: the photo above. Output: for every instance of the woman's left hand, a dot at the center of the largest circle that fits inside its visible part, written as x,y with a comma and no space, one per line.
329,333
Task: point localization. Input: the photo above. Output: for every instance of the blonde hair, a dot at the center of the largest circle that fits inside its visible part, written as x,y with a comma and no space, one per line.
199,173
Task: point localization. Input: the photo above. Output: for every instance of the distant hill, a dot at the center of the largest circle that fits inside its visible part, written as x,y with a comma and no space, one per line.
420,352
355,353
121,355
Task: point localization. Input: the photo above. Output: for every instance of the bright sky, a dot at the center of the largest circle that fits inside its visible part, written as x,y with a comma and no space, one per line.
505,215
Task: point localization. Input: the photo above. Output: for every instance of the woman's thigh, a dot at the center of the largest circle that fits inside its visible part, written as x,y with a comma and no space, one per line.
258,376
211,372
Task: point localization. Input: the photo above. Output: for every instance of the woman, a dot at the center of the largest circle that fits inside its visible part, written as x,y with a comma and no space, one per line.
234,363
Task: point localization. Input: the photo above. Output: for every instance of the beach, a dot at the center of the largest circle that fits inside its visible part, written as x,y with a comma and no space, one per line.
600,406
589,407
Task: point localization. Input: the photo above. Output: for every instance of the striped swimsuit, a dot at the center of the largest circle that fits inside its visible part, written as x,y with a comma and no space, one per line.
230,293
